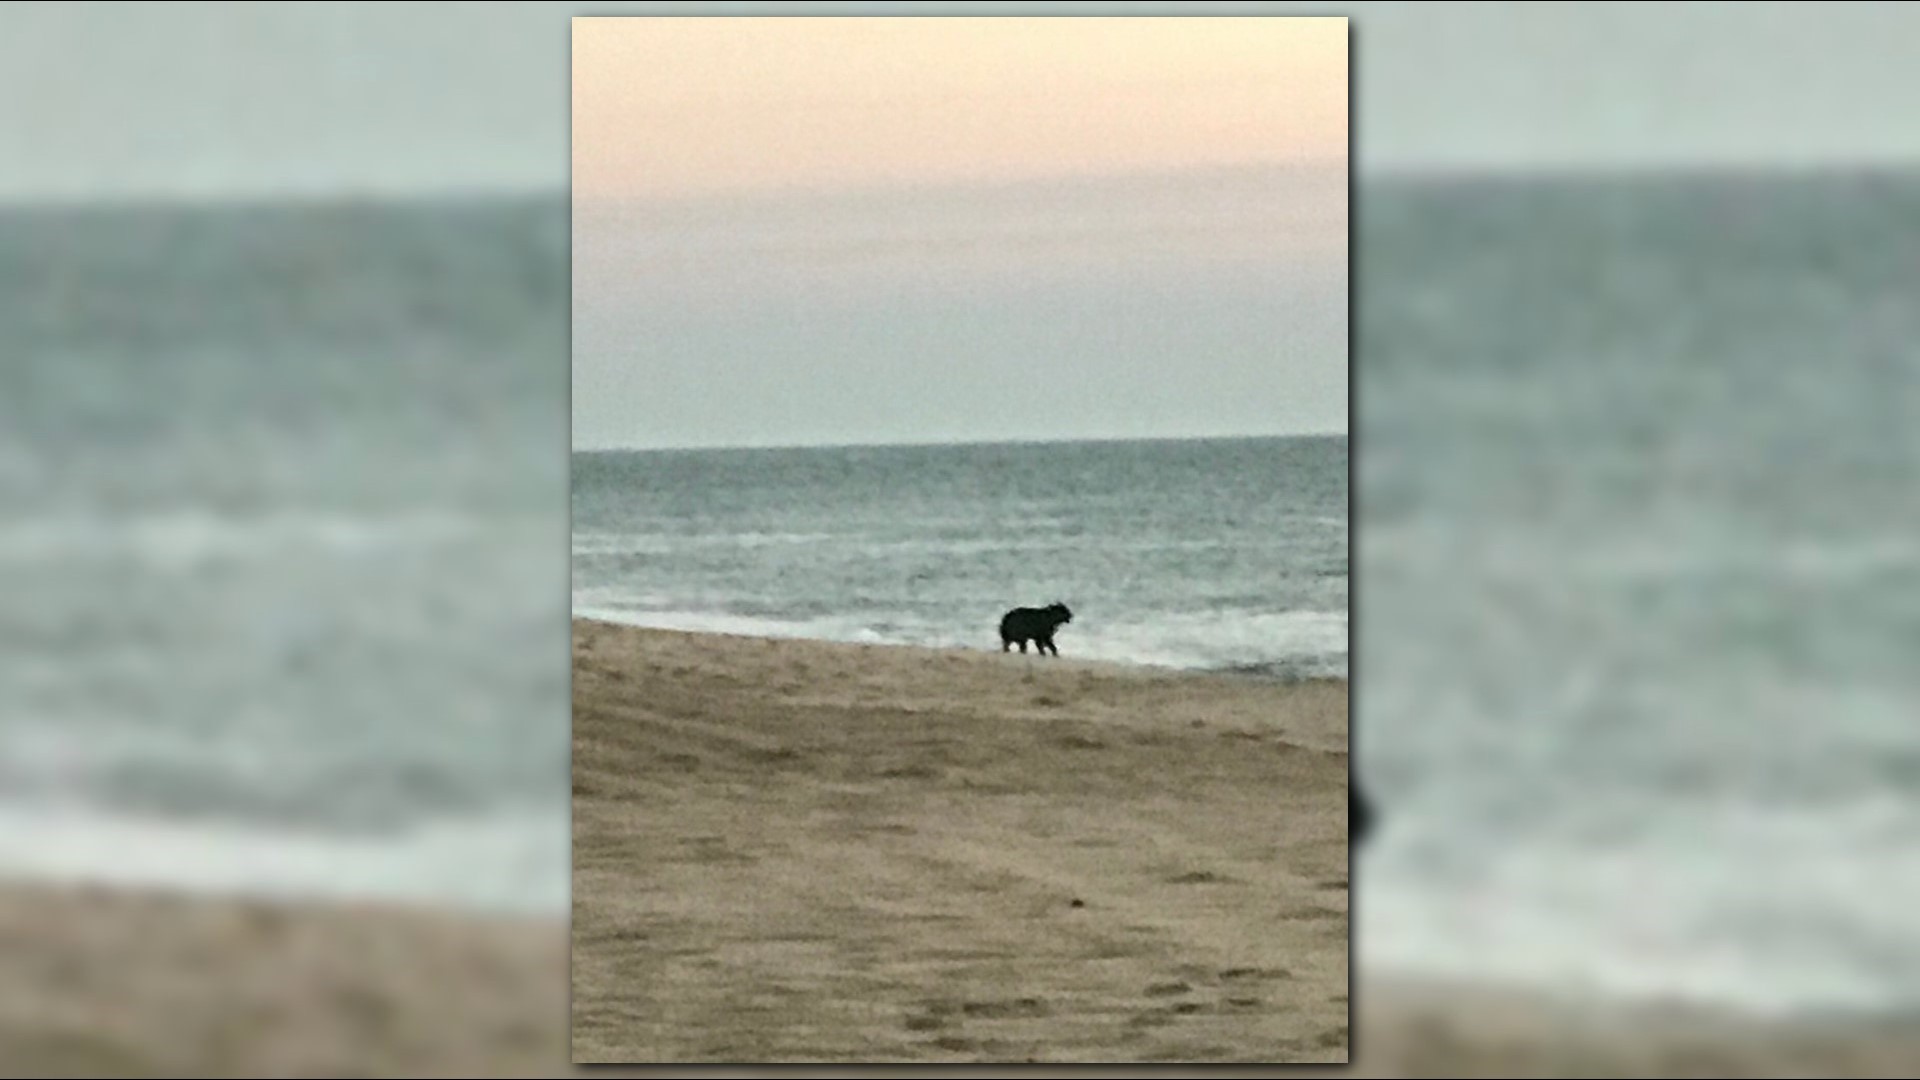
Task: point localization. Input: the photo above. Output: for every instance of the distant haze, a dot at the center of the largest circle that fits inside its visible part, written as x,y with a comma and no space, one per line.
1176,305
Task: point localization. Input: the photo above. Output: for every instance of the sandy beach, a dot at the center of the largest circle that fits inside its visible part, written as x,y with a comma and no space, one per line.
798,851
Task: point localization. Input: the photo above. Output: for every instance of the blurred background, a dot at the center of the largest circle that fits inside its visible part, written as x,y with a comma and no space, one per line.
284,435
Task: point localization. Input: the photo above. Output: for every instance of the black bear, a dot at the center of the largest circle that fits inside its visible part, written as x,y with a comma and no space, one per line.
1037,625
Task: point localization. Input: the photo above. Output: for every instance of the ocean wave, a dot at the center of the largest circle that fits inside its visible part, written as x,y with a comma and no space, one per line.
1591,558
511,863
706,622
1277,642
1807,561
642,543
189,537
1742,905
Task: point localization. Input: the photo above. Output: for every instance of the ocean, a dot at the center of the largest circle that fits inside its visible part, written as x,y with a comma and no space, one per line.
1226,555
1638,558
283,549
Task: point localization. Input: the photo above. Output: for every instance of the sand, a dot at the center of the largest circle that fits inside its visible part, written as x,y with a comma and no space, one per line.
1410,1029
790,851
97,982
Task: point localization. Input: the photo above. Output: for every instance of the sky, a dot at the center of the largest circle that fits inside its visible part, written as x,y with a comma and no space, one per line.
695,106
844,230
1131,305
213,100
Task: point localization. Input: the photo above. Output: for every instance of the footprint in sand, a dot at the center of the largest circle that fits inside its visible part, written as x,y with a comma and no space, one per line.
1198,877
1239,974
1006,1009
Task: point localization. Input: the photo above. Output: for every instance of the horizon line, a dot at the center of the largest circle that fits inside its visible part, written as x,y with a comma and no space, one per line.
1358,175
1029,441
284,198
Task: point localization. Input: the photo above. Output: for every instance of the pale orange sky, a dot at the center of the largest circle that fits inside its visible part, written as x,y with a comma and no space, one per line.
667,107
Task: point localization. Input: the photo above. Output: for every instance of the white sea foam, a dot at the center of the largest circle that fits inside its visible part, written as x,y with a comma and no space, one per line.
516,863
1737,905
1306,640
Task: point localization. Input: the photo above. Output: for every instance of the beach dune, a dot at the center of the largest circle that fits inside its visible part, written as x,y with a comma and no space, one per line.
801,851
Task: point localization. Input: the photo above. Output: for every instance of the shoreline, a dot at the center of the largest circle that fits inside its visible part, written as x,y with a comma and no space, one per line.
601,618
